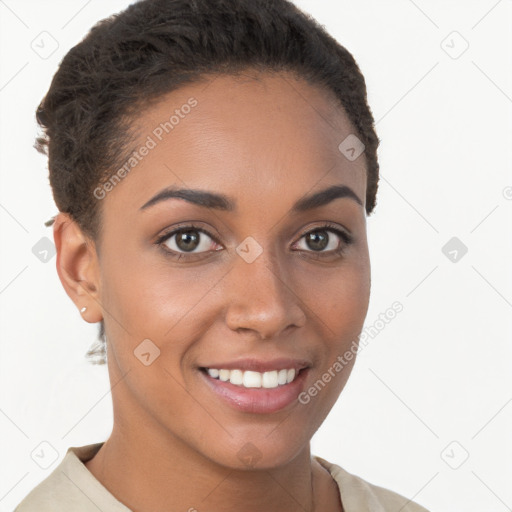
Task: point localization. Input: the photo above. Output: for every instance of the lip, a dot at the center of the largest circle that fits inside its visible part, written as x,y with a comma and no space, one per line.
261,365
256,400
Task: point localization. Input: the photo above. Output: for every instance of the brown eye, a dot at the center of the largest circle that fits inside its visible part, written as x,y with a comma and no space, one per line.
189,240
317,240
325,241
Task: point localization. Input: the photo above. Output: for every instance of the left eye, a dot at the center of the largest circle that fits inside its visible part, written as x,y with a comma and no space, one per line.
319,240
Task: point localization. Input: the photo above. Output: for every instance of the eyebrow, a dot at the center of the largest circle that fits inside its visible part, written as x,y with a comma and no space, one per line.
224,203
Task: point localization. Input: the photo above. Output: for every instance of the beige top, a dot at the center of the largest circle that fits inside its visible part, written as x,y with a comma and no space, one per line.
71,487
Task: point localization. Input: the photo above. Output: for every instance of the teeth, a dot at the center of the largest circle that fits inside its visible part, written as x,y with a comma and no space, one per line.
250,379
224,375
269,379
236,377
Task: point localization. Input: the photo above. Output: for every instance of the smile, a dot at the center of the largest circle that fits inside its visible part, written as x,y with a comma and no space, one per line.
251,391
252,379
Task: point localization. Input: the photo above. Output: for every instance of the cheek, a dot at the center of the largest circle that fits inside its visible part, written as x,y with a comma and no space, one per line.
339,297
339,305
349,305
147,300
147,295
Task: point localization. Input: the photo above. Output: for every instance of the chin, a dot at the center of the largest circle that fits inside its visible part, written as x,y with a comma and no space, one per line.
261,452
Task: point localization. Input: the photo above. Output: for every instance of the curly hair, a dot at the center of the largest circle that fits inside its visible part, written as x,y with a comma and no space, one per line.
153,47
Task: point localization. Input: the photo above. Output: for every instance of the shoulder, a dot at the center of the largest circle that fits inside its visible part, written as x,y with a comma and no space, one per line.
70,486
358,495
54,493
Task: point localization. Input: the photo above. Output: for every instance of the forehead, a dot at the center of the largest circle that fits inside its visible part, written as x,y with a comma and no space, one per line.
254,134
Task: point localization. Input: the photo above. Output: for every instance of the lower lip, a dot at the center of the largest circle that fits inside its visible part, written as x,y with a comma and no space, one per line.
257,400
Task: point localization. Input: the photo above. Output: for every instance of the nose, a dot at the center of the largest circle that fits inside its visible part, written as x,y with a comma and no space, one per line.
262,299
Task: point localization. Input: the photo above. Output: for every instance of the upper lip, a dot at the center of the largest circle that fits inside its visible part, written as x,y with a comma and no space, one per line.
261,365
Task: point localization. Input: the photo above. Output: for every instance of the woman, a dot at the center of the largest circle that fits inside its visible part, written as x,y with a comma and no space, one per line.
213,163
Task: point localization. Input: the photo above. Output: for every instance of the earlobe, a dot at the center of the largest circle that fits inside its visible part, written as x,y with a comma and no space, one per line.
77,267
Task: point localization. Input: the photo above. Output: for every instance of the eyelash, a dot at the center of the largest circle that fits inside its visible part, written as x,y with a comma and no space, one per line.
347,240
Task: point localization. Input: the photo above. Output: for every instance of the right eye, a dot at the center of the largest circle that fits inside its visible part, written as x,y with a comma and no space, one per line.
186,240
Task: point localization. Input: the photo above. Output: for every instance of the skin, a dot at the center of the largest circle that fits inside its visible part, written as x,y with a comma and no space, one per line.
266,141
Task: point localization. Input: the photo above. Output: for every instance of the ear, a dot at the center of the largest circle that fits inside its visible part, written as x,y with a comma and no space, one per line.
78,266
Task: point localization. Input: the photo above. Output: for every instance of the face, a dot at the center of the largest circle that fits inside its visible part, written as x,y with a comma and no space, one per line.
259,272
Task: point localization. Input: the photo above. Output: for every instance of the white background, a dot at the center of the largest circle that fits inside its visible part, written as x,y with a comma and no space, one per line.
439,372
